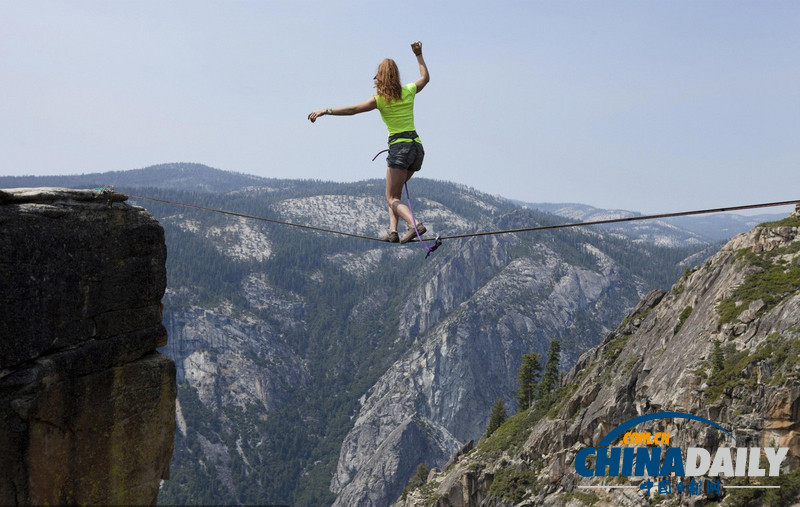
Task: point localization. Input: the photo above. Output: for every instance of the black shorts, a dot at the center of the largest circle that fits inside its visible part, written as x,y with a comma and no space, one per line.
406,155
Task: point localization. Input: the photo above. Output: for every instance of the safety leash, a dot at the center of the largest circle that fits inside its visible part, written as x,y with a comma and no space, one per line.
437,242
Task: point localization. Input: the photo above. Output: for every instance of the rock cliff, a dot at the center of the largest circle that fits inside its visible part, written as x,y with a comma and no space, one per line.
475,316
723,344
87,404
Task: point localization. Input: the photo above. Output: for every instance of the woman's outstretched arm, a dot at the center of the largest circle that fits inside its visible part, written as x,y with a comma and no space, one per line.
424,75
367,105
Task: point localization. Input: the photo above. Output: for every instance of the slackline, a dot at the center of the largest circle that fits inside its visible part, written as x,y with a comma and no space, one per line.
477,234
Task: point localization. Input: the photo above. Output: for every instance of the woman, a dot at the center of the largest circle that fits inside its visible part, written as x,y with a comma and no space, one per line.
396,104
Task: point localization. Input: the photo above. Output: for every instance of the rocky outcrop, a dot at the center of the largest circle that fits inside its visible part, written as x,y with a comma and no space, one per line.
415,440
87,404
746,300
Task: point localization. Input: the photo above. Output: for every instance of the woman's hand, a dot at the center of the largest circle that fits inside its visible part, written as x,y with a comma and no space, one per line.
416,47
313,115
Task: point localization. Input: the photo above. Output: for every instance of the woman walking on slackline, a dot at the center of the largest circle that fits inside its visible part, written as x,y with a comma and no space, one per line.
396,104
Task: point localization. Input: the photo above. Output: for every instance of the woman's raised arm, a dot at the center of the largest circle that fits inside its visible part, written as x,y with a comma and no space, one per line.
424,75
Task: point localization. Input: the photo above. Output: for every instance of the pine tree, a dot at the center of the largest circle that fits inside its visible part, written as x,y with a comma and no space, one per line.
718,358
419,478
497,418
550,378
421,475
528,378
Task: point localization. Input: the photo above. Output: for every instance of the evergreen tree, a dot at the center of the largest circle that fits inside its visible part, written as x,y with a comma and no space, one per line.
528,379
421,476
550,379
718,358
497,418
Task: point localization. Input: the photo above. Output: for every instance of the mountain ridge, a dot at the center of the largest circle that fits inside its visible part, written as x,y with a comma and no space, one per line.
708,228
195,177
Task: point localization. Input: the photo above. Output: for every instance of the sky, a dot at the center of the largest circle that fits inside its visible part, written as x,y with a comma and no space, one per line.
652,106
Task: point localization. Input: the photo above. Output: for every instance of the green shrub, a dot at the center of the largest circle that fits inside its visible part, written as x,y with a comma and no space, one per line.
616,346
786,494
514,483
771,283
732,375
419,478
790,221
512,433
780,354
682,318
583,497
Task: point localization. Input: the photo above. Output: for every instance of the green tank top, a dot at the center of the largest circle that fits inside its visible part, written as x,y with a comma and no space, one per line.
398,115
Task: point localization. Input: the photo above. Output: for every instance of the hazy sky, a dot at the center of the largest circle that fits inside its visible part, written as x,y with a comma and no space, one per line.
653,106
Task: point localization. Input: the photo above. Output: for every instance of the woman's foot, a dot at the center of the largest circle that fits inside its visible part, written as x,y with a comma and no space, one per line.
411,233
391,237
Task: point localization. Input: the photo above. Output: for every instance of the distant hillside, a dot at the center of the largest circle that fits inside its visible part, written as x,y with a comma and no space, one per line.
678,231
176,176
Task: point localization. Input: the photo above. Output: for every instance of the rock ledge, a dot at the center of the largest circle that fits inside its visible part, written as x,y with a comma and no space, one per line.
87,404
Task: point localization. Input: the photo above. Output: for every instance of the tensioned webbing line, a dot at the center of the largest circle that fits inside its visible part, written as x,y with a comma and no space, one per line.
478,234
626,219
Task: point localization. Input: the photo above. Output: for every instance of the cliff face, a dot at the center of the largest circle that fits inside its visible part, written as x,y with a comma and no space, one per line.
723,344
87,404
476,315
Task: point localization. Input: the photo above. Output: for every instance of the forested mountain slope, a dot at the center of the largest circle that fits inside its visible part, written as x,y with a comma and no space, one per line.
303,357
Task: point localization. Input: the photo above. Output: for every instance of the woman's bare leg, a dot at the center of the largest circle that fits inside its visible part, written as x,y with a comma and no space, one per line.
395,179
392,216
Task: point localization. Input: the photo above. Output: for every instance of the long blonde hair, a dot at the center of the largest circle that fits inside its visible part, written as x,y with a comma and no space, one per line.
387,80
